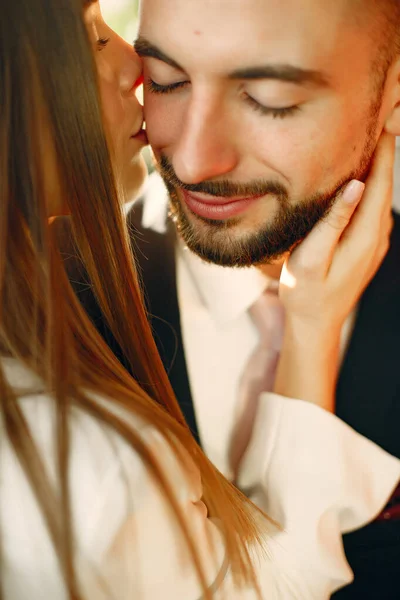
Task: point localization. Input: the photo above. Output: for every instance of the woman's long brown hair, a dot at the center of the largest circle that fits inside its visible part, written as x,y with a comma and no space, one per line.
48,86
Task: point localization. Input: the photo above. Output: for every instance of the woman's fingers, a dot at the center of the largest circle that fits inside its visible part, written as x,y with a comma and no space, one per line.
352,227
377,198
380,179
370,228
325,275
314,254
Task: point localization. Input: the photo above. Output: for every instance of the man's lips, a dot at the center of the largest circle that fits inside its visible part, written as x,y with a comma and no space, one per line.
217,208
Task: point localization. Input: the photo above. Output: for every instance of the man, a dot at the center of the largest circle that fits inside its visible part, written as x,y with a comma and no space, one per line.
249,107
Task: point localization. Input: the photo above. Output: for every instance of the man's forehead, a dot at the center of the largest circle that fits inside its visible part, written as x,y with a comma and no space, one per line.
241,32
252,13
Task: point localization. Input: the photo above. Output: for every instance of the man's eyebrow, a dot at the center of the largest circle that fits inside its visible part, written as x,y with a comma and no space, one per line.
144,48
282,72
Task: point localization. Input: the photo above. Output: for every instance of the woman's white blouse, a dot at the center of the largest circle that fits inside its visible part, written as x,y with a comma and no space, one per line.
316,476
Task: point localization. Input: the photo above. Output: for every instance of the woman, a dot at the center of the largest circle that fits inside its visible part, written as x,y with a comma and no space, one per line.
98,497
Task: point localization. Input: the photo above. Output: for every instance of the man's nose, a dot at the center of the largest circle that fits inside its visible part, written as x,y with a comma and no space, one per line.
205,148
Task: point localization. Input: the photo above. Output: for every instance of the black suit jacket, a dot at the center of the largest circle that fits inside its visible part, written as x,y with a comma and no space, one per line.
368,391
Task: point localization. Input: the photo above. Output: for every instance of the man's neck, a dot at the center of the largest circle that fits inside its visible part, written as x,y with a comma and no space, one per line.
273,271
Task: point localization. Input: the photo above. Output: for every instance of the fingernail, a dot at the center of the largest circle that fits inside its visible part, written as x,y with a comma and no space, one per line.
353,191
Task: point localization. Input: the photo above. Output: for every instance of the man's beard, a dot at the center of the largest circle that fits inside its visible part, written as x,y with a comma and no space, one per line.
215,241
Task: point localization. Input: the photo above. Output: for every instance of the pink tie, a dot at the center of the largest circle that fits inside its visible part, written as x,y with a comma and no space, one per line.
259,374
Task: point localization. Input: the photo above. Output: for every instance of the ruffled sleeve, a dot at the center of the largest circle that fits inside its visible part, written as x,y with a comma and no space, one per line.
312,473
318,479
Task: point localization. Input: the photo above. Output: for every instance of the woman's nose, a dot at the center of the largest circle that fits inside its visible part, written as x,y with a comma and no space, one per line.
130,76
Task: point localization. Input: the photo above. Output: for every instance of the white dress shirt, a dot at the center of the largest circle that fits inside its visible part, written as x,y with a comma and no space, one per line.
318,476
218,333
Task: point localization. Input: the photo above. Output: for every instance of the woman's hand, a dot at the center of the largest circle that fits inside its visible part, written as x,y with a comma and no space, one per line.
324,277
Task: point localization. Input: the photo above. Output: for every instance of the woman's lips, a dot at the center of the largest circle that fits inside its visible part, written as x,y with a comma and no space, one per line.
217,208
141,136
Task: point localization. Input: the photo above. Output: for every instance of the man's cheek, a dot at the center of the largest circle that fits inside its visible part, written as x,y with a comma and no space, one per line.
284,157
154,117
305,170
163,122
312,159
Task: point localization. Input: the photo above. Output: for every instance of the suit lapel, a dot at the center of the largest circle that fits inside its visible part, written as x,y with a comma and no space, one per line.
368,393
156,256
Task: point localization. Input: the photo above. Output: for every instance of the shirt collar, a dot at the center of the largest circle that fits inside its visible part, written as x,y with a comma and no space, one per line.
227,292
155,208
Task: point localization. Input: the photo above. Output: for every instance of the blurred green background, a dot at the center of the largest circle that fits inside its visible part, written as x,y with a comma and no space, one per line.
121,15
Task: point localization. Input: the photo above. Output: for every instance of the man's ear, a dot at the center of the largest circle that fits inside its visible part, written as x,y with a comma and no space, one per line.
392,99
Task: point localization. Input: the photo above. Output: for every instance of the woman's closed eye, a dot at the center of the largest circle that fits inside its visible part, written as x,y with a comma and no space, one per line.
102,43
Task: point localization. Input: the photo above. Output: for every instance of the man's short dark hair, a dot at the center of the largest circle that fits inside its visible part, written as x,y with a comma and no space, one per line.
386,25
381,18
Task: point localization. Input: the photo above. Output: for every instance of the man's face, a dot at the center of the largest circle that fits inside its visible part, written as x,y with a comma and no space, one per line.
258,112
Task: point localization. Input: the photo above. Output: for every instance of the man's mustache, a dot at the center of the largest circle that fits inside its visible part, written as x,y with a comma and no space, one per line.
223,188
